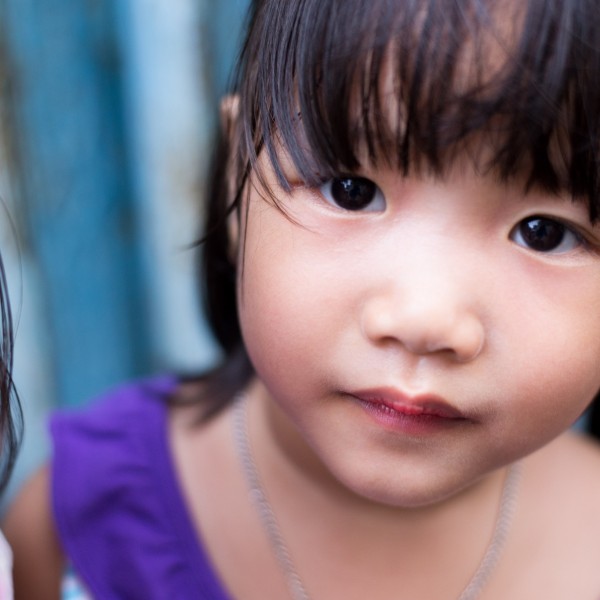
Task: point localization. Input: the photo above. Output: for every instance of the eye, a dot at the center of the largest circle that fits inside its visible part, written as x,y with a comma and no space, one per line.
543,234
354,194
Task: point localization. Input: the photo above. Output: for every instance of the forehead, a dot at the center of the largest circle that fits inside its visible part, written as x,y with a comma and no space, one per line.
414,84
392,90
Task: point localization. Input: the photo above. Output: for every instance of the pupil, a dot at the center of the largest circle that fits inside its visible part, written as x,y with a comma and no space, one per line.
542,234
353,193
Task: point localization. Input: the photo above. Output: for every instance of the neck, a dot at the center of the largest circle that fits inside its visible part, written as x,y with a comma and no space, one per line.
454,534
284,457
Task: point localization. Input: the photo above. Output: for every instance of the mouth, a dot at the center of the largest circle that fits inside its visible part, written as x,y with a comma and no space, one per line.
411,414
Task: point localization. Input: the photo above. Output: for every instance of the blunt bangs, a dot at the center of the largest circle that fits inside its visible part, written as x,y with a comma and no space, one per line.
414,84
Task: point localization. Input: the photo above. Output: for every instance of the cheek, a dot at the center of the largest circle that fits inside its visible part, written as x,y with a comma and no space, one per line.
283,292
555,344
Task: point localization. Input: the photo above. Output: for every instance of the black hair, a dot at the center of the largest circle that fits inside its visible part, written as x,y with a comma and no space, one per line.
518,78
11,421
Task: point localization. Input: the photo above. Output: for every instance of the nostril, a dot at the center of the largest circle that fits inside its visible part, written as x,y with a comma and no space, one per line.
425,329
464,339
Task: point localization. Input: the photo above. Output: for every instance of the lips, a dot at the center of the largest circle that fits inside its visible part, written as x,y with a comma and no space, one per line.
421,408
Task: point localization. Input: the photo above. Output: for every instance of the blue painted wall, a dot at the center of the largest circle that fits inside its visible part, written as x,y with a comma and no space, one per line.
71,151
102,210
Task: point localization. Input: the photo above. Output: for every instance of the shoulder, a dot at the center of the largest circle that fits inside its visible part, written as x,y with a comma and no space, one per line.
570,467
108,455
561,488
29,529
117,504
576,457
117,429
556,532
107,450
118,406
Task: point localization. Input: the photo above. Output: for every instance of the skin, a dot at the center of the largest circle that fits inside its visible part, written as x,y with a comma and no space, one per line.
29,529
431,295
434,294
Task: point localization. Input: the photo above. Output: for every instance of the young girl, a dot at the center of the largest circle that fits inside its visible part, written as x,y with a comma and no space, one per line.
402,265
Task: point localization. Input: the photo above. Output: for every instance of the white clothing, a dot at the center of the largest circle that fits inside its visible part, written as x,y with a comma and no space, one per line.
6,586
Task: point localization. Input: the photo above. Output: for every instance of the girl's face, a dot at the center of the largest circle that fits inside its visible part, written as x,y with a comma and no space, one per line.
416,334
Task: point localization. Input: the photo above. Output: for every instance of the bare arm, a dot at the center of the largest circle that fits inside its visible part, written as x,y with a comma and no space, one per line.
29,529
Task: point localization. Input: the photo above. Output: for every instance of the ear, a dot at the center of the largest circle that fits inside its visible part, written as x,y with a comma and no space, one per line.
229,115
229,111
233,236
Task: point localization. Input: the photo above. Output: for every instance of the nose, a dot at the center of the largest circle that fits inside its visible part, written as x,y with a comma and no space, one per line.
431,312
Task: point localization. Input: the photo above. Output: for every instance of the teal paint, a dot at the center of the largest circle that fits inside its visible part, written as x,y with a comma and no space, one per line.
83,196
227,19
75,192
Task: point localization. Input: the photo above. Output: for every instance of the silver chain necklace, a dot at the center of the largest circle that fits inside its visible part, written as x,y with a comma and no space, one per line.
508,502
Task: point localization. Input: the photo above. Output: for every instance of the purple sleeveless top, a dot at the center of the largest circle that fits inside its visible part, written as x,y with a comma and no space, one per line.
118,508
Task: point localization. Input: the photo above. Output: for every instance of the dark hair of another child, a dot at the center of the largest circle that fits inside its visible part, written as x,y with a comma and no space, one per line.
10,408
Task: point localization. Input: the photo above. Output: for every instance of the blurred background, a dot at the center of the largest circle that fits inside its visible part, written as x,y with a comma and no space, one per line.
107,109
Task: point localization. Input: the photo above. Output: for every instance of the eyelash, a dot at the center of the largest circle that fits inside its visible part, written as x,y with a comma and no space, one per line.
348,188
547,234
343,192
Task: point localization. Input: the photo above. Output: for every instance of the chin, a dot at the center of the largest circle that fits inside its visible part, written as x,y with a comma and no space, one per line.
397,495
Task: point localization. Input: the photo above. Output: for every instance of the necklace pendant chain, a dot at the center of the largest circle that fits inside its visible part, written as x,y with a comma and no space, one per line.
473,589
262,504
